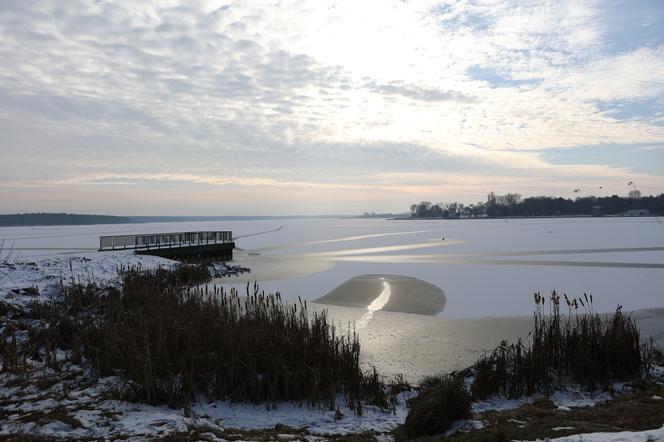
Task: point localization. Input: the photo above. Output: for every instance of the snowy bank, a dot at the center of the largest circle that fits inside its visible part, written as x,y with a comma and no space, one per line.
77,406
48,273
623,436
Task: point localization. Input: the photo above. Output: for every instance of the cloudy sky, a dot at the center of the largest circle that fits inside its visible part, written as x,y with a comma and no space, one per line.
288,107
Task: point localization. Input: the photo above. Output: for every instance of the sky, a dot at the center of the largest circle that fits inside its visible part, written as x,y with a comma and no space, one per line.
223,107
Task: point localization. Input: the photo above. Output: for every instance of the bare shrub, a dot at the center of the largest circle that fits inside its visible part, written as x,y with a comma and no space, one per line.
440,401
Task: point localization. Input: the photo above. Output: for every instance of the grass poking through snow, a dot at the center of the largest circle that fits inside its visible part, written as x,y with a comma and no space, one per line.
171,341
584,347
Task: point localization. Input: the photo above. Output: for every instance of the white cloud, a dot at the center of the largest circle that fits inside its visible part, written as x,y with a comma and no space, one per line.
627,76
305,94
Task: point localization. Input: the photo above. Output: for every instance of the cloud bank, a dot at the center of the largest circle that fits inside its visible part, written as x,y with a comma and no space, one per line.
296,106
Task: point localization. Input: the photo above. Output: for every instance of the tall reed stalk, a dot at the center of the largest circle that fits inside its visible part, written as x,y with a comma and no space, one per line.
171,341
581,346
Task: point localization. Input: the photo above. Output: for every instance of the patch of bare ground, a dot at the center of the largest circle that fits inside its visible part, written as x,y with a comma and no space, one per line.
636,411
27,438
57,414
280,433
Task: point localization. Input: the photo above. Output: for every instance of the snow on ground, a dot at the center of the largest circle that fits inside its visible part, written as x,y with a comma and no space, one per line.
317,421
72,403
76,405
464,426
572,396
624,436
46,274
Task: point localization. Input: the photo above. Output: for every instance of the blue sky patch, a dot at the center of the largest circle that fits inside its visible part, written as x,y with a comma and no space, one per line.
642,158
627,110
633,24
494,78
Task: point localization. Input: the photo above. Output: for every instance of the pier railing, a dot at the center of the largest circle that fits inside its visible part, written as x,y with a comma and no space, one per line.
163,240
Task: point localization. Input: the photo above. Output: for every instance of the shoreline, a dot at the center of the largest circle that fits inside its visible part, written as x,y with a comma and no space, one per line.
70,402
418,346
415,218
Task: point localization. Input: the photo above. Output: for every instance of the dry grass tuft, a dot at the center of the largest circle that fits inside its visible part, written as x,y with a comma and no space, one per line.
585,347
440,401
6,259
171,341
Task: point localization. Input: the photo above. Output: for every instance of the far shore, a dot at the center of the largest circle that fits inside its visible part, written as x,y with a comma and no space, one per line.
425,218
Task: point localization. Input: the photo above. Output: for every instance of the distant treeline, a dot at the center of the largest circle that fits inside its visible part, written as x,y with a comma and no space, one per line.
68,219
379,215
512,204
59,219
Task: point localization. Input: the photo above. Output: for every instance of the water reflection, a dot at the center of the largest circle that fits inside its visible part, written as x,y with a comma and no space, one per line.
393,293
376,305
337,240
460,259
382,249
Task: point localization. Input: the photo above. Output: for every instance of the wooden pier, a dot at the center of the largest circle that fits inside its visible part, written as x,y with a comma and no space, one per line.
217,245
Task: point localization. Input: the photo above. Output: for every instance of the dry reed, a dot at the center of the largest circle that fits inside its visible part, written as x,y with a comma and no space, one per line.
581,346
171,341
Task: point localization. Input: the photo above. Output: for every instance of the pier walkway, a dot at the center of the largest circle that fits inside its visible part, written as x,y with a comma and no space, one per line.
177,245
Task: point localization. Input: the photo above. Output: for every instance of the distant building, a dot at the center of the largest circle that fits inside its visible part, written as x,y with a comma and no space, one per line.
598,210
637,212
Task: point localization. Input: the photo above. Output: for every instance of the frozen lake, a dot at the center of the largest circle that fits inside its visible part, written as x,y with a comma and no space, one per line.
486,271
484,267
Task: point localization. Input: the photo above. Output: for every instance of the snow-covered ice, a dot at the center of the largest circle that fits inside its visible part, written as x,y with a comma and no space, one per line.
485,267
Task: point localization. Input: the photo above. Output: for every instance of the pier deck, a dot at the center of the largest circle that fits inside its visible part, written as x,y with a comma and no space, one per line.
178,245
